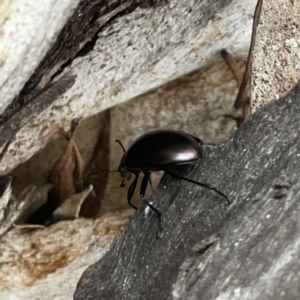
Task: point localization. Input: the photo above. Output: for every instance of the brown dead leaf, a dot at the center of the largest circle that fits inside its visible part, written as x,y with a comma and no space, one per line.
67,170
99,160
71,207
64,175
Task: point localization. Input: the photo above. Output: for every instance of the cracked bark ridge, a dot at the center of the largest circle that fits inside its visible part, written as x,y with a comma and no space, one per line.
76,39
253,245
40,102
138,38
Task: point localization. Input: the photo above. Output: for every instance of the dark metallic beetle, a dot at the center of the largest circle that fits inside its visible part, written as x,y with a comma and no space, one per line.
157,151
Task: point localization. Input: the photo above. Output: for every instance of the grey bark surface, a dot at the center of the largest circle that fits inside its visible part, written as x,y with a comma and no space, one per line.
134,48
208,250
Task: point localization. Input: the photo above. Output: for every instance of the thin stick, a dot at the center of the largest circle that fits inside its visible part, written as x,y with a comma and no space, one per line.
234,67
238,74
239,101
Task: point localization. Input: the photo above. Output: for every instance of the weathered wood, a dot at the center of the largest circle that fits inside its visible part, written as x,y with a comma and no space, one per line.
148,46
47,263
27,33
249,250
69,43
130,53
276,60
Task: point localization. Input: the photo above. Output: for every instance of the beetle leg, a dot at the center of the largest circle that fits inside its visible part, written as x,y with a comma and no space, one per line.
159,214
144,184
122,183
206,185
150,182
131,190
142,194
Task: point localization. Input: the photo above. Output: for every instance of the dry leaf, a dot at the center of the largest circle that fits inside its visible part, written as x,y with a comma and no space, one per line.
98,161
71,207
66,171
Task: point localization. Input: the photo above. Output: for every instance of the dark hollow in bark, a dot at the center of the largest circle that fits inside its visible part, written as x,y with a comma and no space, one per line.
249,250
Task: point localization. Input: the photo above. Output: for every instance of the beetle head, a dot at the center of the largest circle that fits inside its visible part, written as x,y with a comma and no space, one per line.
125,174
122,169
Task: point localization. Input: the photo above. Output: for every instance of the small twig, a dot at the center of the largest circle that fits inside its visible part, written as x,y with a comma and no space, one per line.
238,74
55,130
234,67
28,226
240,100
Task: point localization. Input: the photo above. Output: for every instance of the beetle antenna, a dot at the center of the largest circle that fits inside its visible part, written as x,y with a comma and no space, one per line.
96,173
119,142
101,172
198,183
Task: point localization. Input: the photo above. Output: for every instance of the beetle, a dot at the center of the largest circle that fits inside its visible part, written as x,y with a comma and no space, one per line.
157,151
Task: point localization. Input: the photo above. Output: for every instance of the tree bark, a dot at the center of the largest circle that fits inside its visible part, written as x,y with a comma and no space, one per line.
112,51
276,61
208,250
28,32
47,263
